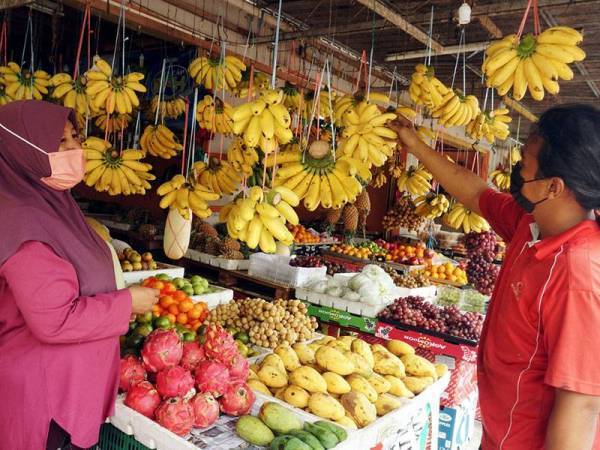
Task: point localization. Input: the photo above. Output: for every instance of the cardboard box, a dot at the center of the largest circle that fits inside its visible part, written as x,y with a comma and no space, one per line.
457,424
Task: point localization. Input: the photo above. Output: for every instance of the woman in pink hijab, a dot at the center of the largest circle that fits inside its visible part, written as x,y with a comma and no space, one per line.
60,312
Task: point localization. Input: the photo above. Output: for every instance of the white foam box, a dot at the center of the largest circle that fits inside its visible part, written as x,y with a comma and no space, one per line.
427,292
193,255
276,268
214,299
232,264
140,275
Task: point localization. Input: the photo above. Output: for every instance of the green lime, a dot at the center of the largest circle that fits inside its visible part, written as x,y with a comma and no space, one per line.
135,340
232,331
144,318
189,336
162,322
143,330
200,333
242,336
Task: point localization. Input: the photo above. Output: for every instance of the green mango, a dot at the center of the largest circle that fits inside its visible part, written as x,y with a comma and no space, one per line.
278,418
288,442
252,430
341,434
308,439
327,438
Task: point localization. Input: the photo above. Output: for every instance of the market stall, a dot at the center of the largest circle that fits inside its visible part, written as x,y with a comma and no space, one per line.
319,288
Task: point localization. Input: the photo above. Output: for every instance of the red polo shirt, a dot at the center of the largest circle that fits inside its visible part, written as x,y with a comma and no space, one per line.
542,330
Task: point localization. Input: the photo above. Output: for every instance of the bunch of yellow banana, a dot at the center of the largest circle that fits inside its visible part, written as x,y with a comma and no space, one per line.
292,98
159,141
432,205
310,107
214,115
352,101
171,109
533,63
366,137
242,158
260,218
490,125
501,179
380,179
185,195
113,93
214,73
460,217
425,89
218,175
260,82
456,110
113,123
263,122
319,181
21,84
515,155
407,112
109,170
72,92
4,98
416,180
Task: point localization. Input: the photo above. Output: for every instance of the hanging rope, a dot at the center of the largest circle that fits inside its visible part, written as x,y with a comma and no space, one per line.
28,34
430,39
4,41
460,46
86,18
276,49
160,89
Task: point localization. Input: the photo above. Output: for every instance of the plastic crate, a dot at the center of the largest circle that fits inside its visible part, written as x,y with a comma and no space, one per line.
111,438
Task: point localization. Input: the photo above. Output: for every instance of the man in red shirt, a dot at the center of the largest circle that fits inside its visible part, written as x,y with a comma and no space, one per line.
538,374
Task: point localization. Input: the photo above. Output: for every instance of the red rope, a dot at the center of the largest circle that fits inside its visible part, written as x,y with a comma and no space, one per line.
536,18
185,128
3,41
89,36
251,82
81,34
524,20
363,63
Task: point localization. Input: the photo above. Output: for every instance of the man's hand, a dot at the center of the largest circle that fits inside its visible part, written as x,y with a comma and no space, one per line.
407,135
574,421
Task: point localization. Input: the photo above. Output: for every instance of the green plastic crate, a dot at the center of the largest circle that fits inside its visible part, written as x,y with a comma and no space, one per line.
112,438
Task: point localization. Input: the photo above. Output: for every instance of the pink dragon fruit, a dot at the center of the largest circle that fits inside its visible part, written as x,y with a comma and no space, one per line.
213,377
238,369
131,372
206,409
193,353
219,344
237,400
162,349
176,415
143,398
174,382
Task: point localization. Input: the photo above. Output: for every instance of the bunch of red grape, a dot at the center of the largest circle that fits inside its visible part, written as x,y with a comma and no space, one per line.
481,251
306,261
333,268
415,311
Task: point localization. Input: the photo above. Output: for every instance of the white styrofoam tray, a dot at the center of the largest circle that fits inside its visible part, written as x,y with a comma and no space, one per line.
214,299
232,264
276,268
140,275
427,292
353,307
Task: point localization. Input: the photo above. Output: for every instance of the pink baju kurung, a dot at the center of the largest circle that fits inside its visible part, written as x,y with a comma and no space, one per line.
59,351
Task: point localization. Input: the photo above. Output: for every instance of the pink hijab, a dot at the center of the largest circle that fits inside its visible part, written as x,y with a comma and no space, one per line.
32,211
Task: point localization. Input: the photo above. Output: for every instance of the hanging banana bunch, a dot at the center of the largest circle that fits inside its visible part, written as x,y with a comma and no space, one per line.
159,141
113,93
407,112
242,158
4,98
532,63
352,101
114,123
217,73
323,180
109,170
21,84
432,205
456,110
460,217
260,82
425,89
490,125
170,109
185,195
72,93
292,98
416,180
379,179
217,175
501,178
214,115
366,137
515,155
310,106
263,122
260,219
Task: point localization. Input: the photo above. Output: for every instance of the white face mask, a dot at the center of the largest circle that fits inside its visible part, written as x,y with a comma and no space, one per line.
67,168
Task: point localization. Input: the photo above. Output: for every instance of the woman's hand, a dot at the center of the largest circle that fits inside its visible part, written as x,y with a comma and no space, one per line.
407,135
143,299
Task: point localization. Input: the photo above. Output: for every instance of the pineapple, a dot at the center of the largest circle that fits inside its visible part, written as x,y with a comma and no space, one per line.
229,253
230,244
213,246
363,202
350,218
206,229
333,216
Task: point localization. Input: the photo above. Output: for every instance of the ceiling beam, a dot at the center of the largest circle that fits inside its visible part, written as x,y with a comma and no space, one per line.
448,50
378,7
488,24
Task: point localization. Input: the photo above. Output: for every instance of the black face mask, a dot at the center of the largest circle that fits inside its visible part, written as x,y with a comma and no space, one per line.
516,183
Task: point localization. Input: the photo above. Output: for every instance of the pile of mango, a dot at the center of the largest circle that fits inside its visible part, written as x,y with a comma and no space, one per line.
344,380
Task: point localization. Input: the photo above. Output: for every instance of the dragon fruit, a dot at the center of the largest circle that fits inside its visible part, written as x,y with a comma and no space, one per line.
237,400
193,353
131,372
219,344
206,409
213,377
176,415
162,349
174,382
143,398
238,369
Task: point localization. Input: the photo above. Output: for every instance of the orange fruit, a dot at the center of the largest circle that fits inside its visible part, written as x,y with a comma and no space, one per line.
166,301
182,318
171,318
179,296
194,313
186,305
174,309
196,325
